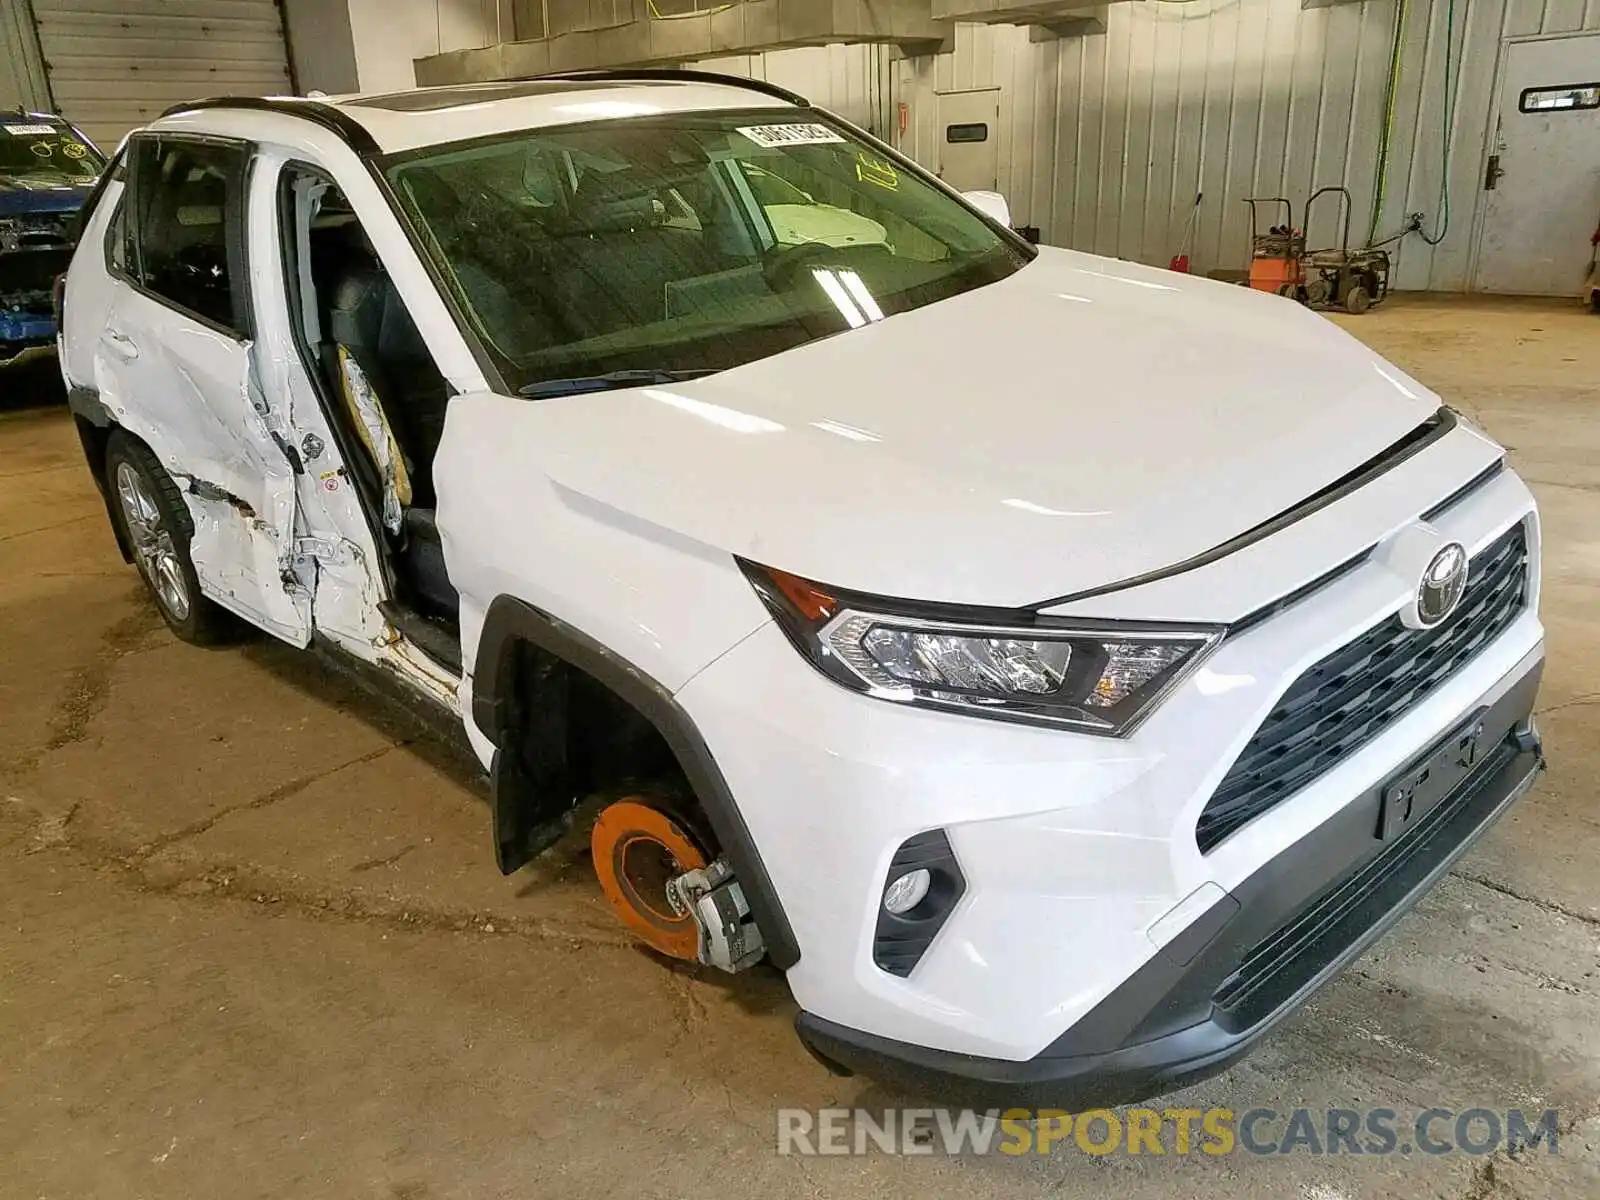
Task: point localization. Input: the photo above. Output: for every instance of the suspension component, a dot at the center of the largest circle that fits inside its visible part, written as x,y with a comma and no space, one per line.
728,937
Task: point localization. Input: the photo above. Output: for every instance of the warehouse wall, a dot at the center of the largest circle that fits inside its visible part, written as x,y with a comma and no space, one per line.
321,46
390,34
22,78
854,81
1482,28
1105,140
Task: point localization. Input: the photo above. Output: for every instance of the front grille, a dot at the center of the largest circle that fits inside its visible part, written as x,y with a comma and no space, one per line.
1295,953
1358,691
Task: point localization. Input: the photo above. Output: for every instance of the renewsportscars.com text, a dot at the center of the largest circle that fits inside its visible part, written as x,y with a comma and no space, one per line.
1175,1131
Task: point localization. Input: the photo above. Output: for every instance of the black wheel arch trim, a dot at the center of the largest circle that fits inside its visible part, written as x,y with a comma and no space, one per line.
95,423
510,620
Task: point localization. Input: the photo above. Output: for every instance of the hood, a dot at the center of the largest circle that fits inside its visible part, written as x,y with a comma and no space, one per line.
1076,424
35,194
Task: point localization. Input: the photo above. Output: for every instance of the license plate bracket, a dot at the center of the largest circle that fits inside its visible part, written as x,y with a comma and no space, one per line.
1412,792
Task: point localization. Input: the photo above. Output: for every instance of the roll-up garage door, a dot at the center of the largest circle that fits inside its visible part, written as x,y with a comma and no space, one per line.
117,64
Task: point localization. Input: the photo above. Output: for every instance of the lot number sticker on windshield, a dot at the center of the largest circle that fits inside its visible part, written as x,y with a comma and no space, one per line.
29,130
773,137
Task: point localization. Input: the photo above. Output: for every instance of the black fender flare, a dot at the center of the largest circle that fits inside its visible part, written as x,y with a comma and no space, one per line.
510,620
95,423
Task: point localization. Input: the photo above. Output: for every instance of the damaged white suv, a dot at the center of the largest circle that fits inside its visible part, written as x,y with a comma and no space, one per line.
1057,667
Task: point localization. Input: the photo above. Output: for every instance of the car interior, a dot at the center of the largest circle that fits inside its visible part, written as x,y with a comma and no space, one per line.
387,403
183,238
550,263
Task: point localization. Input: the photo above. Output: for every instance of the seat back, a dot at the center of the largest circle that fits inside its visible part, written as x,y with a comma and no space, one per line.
355,359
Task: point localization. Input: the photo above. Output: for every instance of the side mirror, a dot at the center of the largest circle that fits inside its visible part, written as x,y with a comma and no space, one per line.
991,204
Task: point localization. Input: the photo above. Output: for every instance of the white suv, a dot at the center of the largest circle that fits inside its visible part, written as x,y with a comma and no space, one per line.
1057,667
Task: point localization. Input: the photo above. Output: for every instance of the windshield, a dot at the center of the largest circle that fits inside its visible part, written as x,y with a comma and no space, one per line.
46,151
694,242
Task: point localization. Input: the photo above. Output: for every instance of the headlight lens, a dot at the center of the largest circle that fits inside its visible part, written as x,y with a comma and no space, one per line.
1095,677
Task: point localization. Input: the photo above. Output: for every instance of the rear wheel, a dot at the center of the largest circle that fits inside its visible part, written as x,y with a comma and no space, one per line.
1357,300
637,848
156,522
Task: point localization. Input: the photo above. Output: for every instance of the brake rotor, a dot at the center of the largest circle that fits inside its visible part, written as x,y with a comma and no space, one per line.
637,849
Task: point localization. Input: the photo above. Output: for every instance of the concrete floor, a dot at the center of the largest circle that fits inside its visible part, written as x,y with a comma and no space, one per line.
252,941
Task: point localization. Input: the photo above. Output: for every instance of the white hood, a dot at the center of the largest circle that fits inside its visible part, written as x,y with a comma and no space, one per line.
1081,422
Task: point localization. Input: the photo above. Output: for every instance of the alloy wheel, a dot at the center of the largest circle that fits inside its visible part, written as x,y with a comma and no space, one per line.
153,547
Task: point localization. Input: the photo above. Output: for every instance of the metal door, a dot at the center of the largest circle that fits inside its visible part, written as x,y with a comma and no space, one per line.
1543,172
969,140
117,64
176,364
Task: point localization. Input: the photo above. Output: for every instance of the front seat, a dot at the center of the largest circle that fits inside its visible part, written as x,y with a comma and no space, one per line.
395,398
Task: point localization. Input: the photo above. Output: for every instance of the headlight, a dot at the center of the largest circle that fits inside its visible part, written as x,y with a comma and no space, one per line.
1095,677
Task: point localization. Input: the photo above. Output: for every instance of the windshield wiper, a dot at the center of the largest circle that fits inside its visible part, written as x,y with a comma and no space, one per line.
539,389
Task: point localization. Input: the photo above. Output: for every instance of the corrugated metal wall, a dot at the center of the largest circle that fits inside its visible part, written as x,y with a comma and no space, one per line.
116,64
1105,140
855,81
22,79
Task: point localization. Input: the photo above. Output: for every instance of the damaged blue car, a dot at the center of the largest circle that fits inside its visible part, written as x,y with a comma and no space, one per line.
47,170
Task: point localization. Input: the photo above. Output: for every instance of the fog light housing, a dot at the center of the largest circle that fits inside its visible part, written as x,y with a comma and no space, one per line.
920,891
907,891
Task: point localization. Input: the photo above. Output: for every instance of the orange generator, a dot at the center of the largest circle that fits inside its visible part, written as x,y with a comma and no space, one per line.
1277,254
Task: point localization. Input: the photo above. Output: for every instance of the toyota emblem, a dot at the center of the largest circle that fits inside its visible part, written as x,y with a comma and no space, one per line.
1443,582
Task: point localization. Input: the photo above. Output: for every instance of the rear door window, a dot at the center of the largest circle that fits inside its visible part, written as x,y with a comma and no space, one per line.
185,213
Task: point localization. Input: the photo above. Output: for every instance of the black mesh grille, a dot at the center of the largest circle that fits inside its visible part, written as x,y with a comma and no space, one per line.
1292,955
1355,693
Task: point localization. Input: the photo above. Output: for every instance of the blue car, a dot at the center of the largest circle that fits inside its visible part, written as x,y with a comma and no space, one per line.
47,170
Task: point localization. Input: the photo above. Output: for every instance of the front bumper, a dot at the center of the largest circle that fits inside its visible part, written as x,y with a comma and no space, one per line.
1079,854
1241,966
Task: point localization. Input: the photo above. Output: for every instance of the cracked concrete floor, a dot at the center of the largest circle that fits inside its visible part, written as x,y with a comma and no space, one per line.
252,942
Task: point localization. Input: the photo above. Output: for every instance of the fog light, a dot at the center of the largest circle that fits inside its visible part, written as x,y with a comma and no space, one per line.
906,892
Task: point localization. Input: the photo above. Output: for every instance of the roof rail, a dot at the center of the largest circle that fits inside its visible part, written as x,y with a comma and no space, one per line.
354,134
671,75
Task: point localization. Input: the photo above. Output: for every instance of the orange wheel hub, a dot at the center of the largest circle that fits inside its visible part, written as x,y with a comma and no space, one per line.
637,849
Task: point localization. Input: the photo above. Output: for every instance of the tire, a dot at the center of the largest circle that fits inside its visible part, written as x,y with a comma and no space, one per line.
1357,300
154,520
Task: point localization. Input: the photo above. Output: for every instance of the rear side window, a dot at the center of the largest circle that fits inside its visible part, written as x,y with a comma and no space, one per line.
185,212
